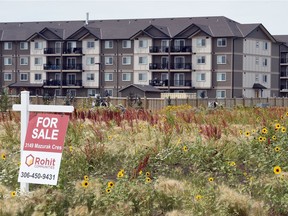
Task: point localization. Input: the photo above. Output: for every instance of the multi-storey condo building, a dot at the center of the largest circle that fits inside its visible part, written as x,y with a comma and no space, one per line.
213,57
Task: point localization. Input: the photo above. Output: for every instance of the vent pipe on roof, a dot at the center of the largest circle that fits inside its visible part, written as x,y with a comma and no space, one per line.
87,18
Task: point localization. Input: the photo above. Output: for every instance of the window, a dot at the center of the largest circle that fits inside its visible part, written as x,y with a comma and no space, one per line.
201,93
143,43
257,44
200,77
24,61
126,44
221,42
90,44
38,45
109,44
108,92
8,46
7,61
109,60
142,76
90,60
38,61
179,62
221,59
91,92
265,45
221,76
126,60
265,78
90,77
126,77
7,76
23,45
220,94
71,92
201,42
179,44
38,77
23,76
200,59
265,62
257,78
257,61
108,76
142,60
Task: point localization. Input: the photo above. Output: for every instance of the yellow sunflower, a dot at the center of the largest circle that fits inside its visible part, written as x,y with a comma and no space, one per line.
232,163
110,184
247,133
264,131
274,137
277,170
148,180
70,148
108,190
260,138
148,174
185,149
277,149
198,197
85,184
283,129
13,193
86,178
3,156
210,179
120,174
277,125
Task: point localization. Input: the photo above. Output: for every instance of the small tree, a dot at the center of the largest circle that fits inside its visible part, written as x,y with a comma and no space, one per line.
4,101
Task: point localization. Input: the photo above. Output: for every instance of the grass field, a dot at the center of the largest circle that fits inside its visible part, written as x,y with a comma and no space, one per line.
177,162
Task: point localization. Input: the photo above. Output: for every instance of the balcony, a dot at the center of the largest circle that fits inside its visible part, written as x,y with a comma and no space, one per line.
52,67
173,83
177,66
165,49
65,67
182,49
284,88
57,51
65,83
72,51
284,75
284,60
51,51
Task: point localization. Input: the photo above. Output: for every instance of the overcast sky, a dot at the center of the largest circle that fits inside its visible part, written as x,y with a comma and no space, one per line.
271,13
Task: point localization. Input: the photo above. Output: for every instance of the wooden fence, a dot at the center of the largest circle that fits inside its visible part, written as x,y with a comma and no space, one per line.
155,104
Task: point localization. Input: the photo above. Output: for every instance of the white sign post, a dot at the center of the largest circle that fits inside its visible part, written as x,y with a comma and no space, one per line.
25,108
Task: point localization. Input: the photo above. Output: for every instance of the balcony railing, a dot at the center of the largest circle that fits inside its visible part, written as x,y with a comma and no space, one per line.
156,82
64,51
52,67
165,49
52,82
284,74
65,67
284,60
160,66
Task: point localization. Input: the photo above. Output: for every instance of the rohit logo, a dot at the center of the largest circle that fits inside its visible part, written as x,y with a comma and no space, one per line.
29,160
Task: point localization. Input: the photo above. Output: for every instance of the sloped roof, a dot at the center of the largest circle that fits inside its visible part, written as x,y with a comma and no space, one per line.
144,88
218,26
281,38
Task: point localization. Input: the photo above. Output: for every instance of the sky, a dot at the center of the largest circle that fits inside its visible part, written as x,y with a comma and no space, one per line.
271,13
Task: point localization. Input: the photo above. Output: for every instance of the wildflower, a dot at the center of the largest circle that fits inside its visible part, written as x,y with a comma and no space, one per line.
253,131
264,138
264,131
198,197
148,180
282,117
247,133
260,138
185,149
286,113
110,184
13,193
283,129
120,174
277,170
108,190
3,156
85,184
240,131
232,163
277,149
210,179
140,172
274,137
70,148
86,178
148,174
277,125
109,137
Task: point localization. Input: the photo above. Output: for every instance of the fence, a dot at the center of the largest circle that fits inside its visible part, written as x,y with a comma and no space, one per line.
155,104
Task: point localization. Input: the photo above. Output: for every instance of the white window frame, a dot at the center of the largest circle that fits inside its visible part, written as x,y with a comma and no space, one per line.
23,45
90,60
126,44
37,61
108,76
126,76
200,77
221,59
143,60
23,76
7,76
7,60
108,44
221,77
143,43
220,93
38,45
90,77
126,60
91,92
221,42
201,59
142,77
90,44
108,60
24,60
201,42
7,45
38,77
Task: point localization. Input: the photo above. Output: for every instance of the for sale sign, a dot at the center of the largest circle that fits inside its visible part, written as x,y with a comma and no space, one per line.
43,146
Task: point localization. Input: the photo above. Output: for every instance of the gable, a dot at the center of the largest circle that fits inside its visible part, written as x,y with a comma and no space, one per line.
188,32
157,32
50,35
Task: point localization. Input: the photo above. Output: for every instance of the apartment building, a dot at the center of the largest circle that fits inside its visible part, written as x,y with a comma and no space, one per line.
213,57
